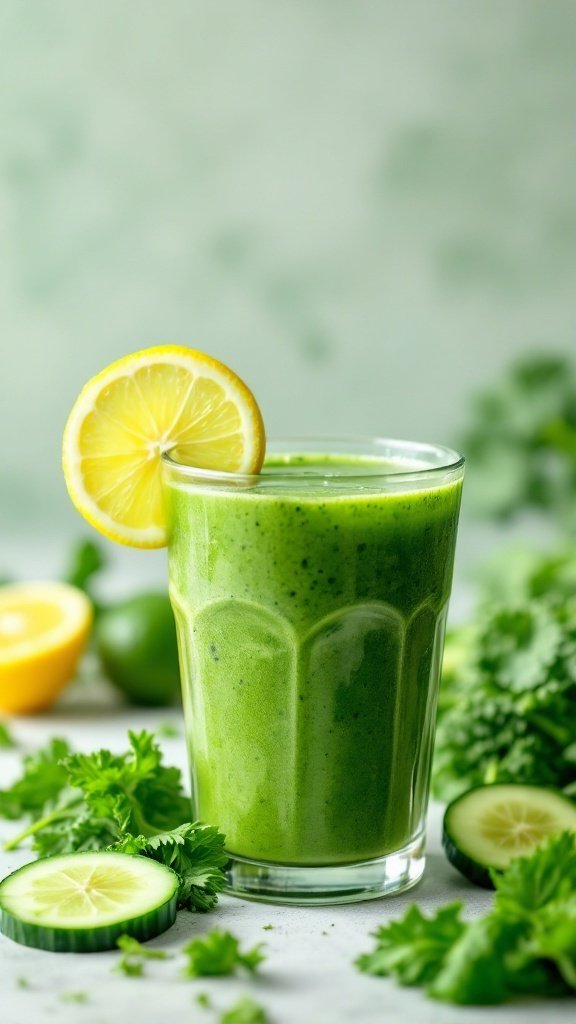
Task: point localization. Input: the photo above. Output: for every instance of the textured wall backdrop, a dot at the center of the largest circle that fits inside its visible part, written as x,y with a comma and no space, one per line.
366,208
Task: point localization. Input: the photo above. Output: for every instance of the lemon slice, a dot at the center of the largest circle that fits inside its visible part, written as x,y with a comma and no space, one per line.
139,407
43,631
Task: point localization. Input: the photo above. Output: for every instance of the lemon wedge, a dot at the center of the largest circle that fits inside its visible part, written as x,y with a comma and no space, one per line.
43,631
143,405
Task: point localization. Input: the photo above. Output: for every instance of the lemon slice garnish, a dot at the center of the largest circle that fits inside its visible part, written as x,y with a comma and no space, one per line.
143,405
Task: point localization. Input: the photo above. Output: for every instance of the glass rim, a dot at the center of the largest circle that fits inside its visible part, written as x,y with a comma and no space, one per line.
436,460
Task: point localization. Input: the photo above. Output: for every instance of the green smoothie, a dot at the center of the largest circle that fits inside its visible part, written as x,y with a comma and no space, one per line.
310,611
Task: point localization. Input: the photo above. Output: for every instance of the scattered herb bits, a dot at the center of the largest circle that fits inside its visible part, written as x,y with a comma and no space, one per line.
219,953
133,956
245,1011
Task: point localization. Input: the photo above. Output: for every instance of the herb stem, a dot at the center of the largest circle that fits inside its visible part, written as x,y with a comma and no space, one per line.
41,823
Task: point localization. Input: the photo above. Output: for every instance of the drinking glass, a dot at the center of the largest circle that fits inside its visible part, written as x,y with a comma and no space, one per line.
310,604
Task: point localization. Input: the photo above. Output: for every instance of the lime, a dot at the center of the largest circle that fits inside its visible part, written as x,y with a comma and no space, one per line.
136,641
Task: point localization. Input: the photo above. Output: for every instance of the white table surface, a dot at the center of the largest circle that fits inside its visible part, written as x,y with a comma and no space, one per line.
308,976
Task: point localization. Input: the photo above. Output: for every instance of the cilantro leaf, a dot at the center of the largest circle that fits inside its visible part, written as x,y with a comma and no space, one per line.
411,950
133,955
245,1011
195,852
219,953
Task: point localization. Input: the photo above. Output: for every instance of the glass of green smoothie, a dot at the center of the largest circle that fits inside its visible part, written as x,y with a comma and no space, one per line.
310,603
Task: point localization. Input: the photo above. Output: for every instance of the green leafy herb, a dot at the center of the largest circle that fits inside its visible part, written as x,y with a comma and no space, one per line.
507,710
130,802
203,1000
6,738
411,949
90,801
134,954
219,953
195,852
41,784
525,945
521,444
245,1011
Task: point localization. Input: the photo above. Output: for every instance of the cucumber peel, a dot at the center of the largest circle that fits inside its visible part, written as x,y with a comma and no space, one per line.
83,902
486,827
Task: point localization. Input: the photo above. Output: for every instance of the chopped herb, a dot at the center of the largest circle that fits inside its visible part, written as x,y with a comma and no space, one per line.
133,956
203,1000
268,927
74,997
22,982
525,945
219,953
167,730
245,1011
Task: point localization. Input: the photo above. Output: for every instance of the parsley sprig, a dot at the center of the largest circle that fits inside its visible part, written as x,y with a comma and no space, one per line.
526,944
507,710
194,851
131,803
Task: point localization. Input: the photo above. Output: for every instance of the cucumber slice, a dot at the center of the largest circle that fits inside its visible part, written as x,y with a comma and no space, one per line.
487,827
82,902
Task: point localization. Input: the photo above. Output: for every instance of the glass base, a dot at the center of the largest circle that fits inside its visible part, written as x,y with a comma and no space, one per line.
320,886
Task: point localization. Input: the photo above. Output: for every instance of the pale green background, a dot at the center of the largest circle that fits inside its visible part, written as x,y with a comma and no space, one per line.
367,209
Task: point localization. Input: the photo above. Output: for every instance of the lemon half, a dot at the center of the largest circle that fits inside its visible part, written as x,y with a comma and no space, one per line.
43,631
